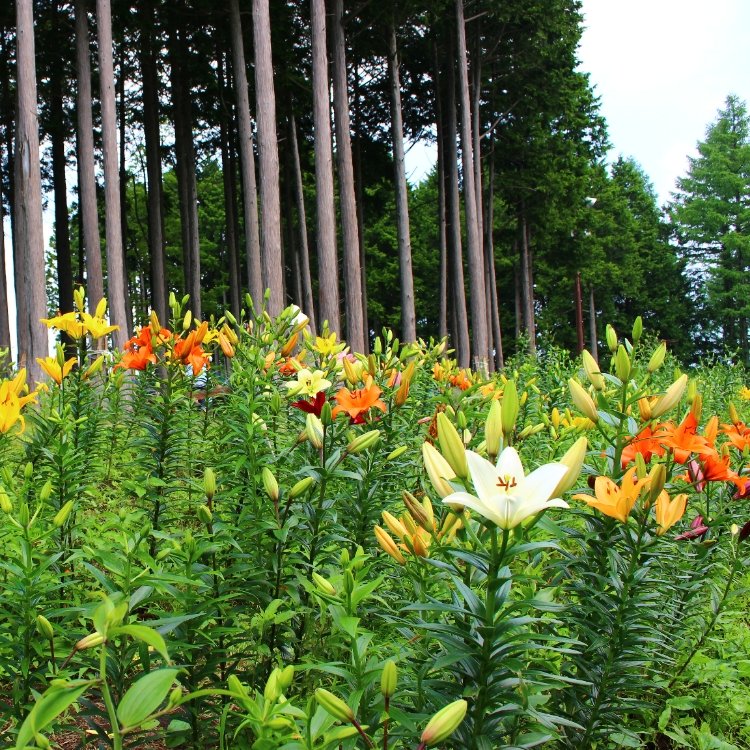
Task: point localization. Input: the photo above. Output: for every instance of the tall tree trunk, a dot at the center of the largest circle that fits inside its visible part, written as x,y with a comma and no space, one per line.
4,308
527,286
489,253
442,228
328,278
308,302
62,236
153,163
32,335
593,342
115,261
360,199
247,158
478,301
355,323
85,153
185,158
272,262
230,195
408,314
453,212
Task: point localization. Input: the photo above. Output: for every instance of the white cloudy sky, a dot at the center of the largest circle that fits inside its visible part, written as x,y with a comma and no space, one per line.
662,69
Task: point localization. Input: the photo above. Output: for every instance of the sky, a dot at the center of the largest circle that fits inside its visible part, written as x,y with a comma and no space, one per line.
663,69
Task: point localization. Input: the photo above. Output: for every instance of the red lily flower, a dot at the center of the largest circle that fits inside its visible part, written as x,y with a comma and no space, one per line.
313,405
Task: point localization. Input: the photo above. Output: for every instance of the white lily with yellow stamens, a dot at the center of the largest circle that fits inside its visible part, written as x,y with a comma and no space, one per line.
504,494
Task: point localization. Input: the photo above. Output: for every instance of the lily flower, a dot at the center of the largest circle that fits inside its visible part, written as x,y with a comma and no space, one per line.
505,495
669,510
308,383
613,501
357,403
311,406
54,369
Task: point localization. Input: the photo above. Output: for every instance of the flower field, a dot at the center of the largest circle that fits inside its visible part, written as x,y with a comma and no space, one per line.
236,534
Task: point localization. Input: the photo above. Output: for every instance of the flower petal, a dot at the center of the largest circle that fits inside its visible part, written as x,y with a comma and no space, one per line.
509,464
483,476
542,482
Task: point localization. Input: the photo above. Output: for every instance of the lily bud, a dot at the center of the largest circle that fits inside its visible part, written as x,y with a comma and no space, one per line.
573,461
657,479
235,686
637,329
394,525
209,483
388,679
493,429
622,363
696,405
591,368
671,398
226,346
92,640
314,431
5,504
187,321
286,676
444,723
323,584
204,514
611,337
509,408
352,375
733,415
270,485
396,452
417,511
362,442
657,358
44,627
326,414
333,705
288,348
62,515
644,407
388,545
438,470
45,492
452,447
582,400
94,367
272,690
302,486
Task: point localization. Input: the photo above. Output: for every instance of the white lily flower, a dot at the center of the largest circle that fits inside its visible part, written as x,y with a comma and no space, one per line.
505,495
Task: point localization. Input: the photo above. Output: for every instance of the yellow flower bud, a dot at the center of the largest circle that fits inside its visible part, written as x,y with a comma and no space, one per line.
582,400
644,407
591,368
394,454
417,511
733,415
187,321
90,641
452,447
573,460
323,584
438,470
204,514
388,545
5,505
671,398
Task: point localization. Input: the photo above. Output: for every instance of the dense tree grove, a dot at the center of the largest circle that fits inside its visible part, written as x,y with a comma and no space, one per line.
239,147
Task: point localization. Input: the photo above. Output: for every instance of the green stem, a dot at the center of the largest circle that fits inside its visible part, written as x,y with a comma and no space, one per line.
108,702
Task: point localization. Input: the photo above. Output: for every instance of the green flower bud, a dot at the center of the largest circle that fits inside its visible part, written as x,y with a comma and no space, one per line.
637,329
286,676
388,679
622,363
270,485
302,486
611,337
323,585
23,515
314,431
209,483
362,442
204,514
46,491
62,514
591,368
5,504
452,447
44,627
394,454
657,358
272,691
348,581
509,408
234,684
444,723
493,429
333,704
326,414
28,470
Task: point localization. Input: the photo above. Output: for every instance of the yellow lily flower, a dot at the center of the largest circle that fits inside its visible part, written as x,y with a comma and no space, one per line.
97,326
308,383
68,323
613,501
669,510
52,367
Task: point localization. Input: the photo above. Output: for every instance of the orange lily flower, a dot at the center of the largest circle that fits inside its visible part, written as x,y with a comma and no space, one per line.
357,403
738,434
613,501
138,351
669,510
715,468
189,352
683,439
645,443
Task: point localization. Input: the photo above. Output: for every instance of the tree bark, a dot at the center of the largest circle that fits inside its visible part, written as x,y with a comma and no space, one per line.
355,323
4,316
247,158
359,198
461,332
153,164
85,156
527,286
489,253
593,343
408,314
442,224
478,299
32,335
328,280
272,262
115,260
308,302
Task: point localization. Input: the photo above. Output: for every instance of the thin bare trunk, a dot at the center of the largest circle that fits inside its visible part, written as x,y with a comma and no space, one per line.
442,229
527,287
328,281
478,299
355,323
408,315
4,317
85,153
359,197
593,342
272,262
247,158
153,165
115,262
308,303
489,251
454,223
28,204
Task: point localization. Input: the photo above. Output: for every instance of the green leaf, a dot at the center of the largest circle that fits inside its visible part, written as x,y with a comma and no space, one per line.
48,707
143,633
145,696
